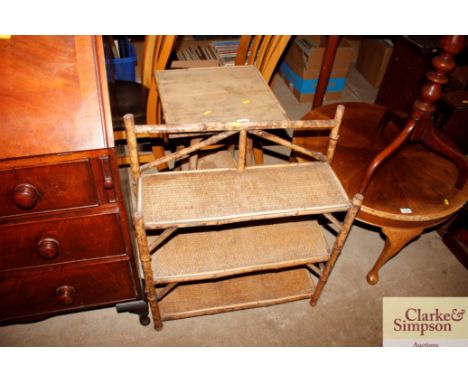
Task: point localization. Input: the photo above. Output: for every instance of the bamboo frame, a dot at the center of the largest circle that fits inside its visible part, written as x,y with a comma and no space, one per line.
292,146
334,134
242,219
337,246
245,156
168,288
242,150
161,238
325,124
185,151
145,259
315,269
129,123
334,221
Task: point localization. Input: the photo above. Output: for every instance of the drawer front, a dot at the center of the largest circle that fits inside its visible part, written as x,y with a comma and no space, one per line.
47,188
48,290
61,240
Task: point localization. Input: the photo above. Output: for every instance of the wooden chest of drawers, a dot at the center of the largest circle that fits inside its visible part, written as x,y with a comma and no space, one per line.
64,240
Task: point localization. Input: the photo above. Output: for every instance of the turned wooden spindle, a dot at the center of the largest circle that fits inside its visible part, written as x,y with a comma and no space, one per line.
419,125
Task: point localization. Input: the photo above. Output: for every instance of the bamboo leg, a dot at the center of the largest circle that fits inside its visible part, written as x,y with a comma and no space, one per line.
397,238
334,134
145,259
129,123
242,150
338,245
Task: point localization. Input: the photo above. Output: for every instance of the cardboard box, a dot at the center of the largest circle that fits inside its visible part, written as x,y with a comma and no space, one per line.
304,89
373,58
302,64
355,42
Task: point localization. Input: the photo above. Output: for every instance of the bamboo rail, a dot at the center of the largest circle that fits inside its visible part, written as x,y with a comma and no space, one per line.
334,221
164,291
158,240
183,152
292,146
235,126
315,269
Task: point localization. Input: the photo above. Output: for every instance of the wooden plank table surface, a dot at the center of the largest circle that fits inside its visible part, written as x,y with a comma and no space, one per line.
219,94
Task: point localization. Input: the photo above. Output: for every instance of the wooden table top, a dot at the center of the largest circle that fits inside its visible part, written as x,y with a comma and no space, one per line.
414,187
217,94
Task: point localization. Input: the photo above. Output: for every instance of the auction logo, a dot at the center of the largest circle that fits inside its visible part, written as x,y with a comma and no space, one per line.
425,321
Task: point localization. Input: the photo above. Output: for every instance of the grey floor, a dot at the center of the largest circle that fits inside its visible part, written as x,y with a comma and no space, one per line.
349,312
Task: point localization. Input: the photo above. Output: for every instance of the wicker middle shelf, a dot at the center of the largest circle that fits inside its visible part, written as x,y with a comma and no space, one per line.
219,196
215,253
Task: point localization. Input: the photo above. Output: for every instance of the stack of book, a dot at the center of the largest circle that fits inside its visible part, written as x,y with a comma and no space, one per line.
196,53
226,51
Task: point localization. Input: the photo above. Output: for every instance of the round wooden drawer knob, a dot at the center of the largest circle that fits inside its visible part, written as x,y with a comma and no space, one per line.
66,295
48,248
25,196
108,184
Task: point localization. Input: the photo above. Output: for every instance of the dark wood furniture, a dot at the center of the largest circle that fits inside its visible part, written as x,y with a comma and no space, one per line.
401,168
451,118
413,191
406,71
419,126
64,238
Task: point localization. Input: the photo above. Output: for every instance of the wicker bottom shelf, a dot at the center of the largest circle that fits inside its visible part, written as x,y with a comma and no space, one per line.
217,253
236,293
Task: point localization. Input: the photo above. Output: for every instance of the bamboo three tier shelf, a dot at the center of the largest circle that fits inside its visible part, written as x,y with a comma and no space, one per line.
222,239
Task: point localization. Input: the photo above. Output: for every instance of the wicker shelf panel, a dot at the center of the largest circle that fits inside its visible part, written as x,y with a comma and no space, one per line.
208,197
219,253
235,293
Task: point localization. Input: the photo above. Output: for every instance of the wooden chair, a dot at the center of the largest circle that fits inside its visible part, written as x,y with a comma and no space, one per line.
142,100
263,51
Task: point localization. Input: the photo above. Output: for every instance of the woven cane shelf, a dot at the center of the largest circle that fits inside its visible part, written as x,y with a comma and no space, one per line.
222,239
192,198
235,293
230,251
